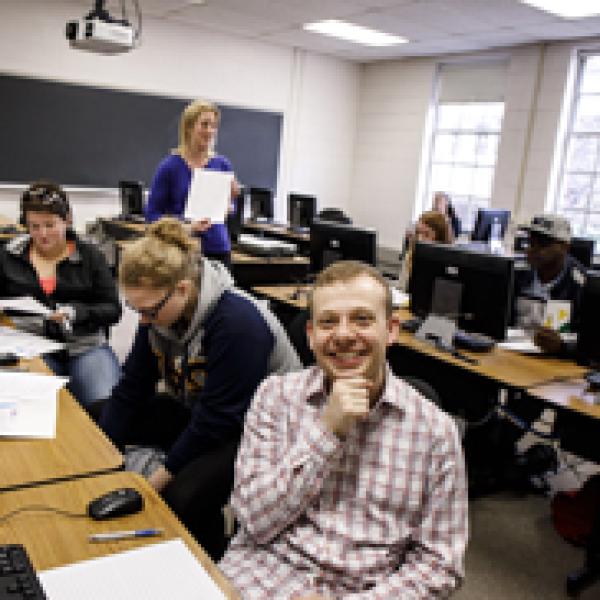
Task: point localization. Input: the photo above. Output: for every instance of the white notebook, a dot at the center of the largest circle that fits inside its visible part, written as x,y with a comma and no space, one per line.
155,572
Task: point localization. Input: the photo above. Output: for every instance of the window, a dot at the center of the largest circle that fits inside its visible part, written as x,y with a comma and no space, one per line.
579,190
463,158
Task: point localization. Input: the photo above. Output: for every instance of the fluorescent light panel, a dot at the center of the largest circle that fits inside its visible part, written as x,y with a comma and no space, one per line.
567,9
354,33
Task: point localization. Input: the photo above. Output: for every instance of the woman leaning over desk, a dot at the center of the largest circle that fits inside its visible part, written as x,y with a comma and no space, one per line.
171,184
72,278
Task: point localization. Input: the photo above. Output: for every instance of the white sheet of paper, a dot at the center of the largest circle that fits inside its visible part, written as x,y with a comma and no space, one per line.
26,345
519,340
209,196
26,304
155,572
28,404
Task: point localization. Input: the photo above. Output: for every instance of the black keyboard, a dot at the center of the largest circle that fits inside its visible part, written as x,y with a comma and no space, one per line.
18,580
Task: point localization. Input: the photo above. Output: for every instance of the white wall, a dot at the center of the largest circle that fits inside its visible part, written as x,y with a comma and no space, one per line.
178,61
392,135
393,110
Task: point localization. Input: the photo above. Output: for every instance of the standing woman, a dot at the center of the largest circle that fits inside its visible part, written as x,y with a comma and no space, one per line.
443,204
168,196
72,278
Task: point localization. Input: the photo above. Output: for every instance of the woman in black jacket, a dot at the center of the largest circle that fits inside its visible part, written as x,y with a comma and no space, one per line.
72,278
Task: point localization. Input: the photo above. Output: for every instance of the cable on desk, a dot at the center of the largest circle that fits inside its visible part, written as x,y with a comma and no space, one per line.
41,508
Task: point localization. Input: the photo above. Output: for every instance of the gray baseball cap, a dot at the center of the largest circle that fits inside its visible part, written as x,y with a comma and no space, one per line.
552,226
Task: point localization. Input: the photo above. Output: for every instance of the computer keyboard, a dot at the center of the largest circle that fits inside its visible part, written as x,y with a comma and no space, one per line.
18,579
261,246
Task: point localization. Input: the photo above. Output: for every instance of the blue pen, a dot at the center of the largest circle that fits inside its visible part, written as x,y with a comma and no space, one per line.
124,535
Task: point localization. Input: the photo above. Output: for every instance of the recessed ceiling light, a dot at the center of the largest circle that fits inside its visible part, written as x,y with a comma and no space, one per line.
568,9
354,33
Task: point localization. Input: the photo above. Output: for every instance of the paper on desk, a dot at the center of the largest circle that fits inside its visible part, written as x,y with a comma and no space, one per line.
26,345
209,196
155,572
28,404
518,340
26,304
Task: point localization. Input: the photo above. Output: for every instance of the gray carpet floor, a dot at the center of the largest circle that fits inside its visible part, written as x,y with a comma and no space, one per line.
515,553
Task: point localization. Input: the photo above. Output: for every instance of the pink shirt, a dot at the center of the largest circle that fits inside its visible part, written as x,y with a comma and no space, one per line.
382,514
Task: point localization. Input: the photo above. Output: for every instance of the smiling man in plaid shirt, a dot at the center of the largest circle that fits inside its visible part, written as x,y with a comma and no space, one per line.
349,484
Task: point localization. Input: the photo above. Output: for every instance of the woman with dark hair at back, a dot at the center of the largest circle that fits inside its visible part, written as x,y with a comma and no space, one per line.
443,204
72,278
432,226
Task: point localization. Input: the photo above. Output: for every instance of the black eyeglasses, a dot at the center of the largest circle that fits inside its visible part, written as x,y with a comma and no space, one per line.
152,311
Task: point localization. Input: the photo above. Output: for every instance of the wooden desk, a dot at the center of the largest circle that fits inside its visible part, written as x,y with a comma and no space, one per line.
7,236
53,540
80,449
507,368
249,270
572,394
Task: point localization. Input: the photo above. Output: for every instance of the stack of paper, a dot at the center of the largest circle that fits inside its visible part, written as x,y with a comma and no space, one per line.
155,572
519,340
28,404
25,345
25,304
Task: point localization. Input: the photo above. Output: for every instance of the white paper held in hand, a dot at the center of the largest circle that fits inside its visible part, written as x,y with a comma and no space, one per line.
209,196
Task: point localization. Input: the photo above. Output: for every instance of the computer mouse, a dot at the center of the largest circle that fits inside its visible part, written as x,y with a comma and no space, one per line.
117,503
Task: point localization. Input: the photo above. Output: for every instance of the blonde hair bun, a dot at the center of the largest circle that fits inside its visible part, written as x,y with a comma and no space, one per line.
170,231
160,259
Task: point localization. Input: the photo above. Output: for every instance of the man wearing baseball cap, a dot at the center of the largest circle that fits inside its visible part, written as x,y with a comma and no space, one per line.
554,275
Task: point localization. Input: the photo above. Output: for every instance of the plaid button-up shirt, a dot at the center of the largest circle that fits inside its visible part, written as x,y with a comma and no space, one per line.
381,514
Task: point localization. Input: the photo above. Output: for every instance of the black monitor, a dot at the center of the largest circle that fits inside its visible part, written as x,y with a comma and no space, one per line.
301,210
132,198
235,218
261,204
588,339
582,249
482,229
330,242
485,285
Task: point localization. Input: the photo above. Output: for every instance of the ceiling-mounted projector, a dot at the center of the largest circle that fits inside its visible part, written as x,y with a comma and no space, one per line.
101,33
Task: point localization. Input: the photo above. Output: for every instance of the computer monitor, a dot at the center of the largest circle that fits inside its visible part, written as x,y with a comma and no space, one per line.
486,285
301,210
588,339
482,230
132,198
582,249
261,204
330,242
235,218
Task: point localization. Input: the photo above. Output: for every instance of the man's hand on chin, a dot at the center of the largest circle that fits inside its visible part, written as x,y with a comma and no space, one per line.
347,402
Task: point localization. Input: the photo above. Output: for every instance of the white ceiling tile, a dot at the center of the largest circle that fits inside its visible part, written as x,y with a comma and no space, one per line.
432,26
216,18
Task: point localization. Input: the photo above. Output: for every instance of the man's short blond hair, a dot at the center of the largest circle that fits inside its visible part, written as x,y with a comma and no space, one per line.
347,270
